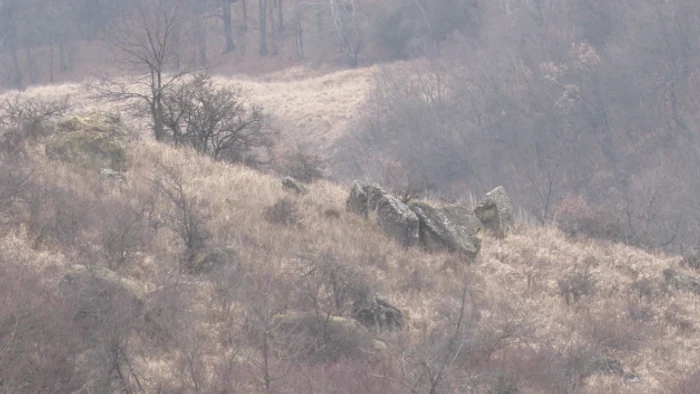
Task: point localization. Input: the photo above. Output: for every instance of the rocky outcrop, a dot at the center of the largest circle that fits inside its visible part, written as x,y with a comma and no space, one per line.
377,312
453,229
496,212
289,183
390,214
103,281
99,293
92,140
206,260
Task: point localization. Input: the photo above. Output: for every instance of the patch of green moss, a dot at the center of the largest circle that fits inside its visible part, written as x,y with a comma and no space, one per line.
91,140
87,149
94,122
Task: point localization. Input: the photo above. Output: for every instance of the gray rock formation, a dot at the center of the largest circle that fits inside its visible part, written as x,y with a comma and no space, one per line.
92,140
377,312
288,183
99,294
206,260
496,212
391,215
453,228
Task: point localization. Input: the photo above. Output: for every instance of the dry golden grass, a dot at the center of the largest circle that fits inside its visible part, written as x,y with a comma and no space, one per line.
517,276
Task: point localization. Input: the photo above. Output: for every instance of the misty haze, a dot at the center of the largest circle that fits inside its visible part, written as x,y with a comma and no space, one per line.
349,196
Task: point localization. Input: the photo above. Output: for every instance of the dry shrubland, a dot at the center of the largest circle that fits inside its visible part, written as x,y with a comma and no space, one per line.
193,270
536,312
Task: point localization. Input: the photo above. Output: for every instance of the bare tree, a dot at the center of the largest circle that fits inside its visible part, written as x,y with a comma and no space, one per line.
217,121
146,43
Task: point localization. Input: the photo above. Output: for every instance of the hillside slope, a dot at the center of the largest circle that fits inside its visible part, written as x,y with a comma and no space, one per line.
537,312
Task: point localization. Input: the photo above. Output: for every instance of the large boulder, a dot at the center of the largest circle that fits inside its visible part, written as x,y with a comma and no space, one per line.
376,312
99,293
106,280
390,214
92,140
496,212
323,336
289,183
453,228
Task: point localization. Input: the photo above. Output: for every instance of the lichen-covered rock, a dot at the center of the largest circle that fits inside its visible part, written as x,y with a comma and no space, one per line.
206,260
357,200
99,293
496,212
288,183
385,210
92,140
79,276
377,312
453,228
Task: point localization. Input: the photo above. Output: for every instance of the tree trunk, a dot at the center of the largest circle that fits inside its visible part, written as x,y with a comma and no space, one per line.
17,78
157,114
273,33
262,6
62,56
51,51
299,33
244,5
228,31
280,19
201,41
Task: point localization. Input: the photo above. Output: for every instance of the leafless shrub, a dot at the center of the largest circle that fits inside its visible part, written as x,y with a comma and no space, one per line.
59,216
575,284
24,118
284,211
217,121
677,316
330,286
613,329
691,259
345,376
645,289
38,342
124,229
303,166
186,218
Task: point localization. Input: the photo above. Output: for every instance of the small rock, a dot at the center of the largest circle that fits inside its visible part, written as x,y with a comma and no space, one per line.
289,183
206,260
111,174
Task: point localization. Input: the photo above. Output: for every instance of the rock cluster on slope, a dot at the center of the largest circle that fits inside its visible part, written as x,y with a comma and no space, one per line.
454,228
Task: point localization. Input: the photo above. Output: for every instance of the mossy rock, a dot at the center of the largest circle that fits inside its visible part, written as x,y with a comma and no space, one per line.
79,277
94,140
108,123
206,260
